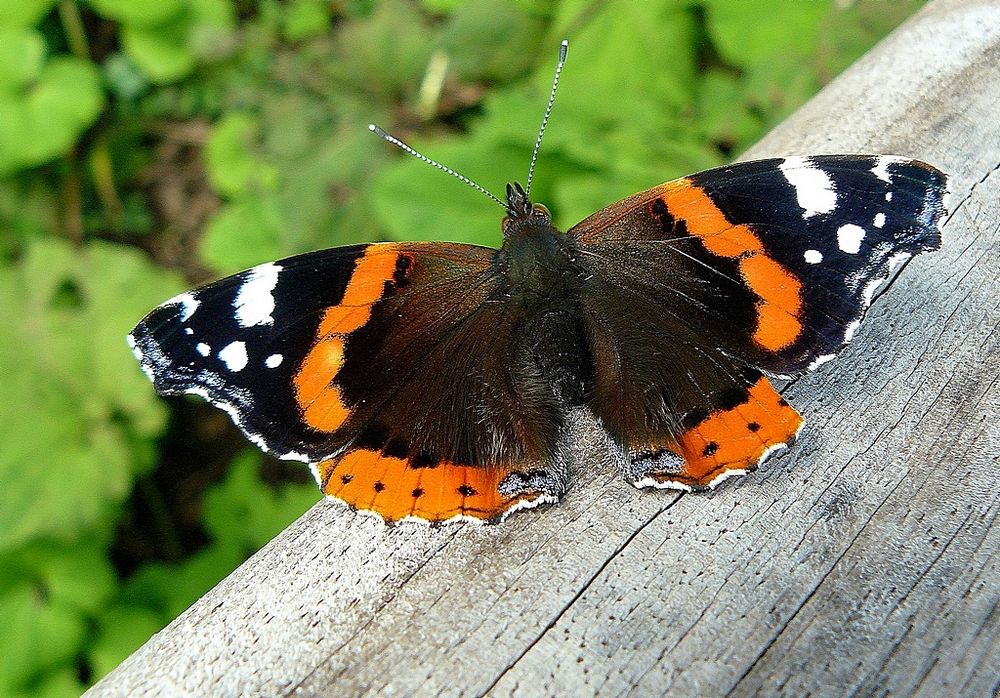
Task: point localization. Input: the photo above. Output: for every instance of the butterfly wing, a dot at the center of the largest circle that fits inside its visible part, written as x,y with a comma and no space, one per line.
756,268
384,364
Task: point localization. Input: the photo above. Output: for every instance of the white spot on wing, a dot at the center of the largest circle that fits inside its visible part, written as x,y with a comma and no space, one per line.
255,300
295,455
316,474
813,187
662,484
203,349
274,360
873,285
814,256
136,351
234,356
881,169
188,331
188,304
896,260
888,196
879,220
851,329
849,238
735,472
820,360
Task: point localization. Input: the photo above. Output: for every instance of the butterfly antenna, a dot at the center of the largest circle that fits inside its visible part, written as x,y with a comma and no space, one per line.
563,48
400,144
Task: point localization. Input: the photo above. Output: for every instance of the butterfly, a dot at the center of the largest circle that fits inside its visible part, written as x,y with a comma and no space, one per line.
433,381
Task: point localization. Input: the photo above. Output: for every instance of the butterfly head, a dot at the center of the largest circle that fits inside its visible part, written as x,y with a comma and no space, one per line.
521,213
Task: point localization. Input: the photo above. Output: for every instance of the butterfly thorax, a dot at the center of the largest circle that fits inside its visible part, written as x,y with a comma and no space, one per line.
536,259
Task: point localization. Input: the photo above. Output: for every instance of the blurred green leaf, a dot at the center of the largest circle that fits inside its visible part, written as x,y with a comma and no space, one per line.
750,32
168,589
306,18
28,209
244,510
486,40
243,233
37,635
168,48
23,13
384,54
163,52
853,28
124,77
121,631
232,166
43,120
415,202
77,576
442,6
22,52
73,454
60,586
139,12
723,114
294,172
59,683
592,126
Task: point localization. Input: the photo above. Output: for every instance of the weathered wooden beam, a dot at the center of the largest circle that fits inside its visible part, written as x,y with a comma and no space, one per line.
865,560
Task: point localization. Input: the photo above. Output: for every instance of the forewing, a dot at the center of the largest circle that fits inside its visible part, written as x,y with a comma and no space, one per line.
812,237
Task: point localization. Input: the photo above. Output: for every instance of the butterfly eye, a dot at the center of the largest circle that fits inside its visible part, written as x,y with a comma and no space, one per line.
539,210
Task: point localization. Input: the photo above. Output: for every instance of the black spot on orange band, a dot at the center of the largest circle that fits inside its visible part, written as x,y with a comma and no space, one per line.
736,438
393,488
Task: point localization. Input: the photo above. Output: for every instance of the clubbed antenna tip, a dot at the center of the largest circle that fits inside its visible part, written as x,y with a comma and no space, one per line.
563,49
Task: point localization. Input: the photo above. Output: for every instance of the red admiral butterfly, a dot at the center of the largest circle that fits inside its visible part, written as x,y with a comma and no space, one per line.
434,380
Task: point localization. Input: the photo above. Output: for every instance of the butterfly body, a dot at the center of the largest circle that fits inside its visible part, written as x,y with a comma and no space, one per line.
437,381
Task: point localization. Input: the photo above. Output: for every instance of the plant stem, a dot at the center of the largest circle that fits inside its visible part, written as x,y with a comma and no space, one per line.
72,23
102,171
72,199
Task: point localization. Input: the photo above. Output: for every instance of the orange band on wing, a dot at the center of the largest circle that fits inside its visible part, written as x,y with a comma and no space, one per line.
779,308
319,399
367,284
372,481
737,439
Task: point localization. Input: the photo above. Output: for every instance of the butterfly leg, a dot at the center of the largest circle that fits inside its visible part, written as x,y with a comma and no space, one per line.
725,443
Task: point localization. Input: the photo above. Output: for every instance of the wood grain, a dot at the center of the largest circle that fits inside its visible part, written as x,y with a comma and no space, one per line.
865,560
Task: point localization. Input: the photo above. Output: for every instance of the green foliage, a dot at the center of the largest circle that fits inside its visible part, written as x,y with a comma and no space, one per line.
243,512
44,104
92,414
167,38
47,592
144,140
23,13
